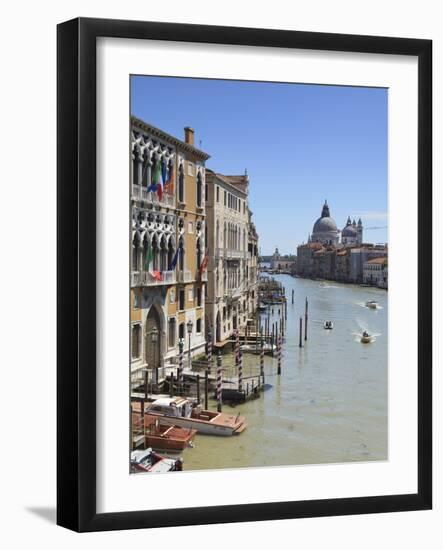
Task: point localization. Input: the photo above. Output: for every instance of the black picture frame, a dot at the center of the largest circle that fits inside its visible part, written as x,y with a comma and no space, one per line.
76,279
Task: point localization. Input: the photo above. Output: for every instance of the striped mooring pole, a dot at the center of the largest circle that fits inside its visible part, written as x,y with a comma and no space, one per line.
180,366
209,352
262,360
219,382
279,354
237,346
240,371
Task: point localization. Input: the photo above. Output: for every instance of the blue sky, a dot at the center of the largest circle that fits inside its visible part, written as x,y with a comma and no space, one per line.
301,144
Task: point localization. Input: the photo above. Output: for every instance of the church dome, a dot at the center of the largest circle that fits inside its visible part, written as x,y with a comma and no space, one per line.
350,230
325,223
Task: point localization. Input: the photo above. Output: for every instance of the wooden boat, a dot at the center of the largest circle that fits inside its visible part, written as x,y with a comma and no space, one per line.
162,436
366,338
179,411
372,304
328,325
150,461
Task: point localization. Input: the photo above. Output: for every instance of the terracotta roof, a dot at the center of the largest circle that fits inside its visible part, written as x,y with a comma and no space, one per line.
381,260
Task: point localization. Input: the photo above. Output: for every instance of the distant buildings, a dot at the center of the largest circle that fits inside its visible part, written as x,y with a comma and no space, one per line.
375,272
326,256
282,263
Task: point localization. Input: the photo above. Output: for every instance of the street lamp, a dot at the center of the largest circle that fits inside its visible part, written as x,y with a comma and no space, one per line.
154,340
189,326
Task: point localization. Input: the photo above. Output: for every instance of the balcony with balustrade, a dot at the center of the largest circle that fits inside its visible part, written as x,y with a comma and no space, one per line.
185,276
140,193
144,278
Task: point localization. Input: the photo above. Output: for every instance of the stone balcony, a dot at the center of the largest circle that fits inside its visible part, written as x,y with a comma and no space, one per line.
143,278
185,276
140,193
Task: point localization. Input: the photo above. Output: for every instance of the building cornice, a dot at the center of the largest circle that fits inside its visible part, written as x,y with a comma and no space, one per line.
160,134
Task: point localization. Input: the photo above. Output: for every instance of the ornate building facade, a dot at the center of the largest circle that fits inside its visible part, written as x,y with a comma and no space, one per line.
167,247
232,243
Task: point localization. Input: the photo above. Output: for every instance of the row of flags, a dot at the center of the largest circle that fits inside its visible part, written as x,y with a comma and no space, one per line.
157,274
162,180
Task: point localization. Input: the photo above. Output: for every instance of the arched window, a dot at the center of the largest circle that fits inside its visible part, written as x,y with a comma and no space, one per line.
199,254
135,252
155,253
171,252
181,184
146,171
199,189
163,254
181,255
146,245
135,166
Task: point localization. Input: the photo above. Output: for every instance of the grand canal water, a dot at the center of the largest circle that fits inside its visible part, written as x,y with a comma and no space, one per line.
330,403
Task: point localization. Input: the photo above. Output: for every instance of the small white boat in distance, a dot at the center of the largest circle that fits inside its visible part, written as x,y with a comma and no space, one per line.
179,411
366,338
328,325
372,304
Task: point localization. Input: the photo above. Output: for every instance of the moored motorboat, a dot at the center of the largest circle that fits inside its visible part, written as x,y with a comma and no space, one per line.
328,325
179,411
148,460
372,304
366,338
162,436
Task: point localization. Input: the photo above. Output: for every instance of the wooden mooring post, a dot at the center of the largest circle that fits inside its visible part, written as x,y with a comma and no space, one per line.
279,354
292,295
262,361
219,382
198,389
306,319
300,333
206,389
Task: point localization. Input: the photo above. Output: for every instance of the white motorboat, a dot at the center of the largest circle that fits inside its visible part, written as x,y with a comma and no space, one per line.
372,304
179,411
148,460
328,325
366,338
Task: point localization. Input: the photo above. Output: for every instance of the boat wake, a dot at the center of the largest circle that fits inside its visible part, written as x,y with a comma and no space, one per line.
363,304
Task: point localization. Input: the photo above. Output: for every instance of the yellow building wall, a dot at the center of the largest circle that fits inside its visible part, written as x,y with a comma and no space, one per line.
136,314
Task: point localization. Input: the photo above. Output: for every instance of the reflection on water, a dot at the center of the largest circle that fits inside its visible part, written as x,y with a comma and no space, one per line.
330,403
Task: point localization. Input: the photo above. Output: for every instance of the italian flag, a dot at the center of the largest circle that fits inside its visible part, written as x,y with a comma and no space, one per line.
157,180
149,256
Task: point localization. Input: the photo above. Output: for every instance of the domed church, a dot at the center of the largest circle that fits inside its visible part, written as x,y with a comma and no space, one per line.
325,229
352,233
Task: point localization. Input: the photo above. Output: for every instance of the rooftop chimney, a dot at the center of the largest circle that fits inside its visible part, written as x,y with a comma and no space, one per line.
189,135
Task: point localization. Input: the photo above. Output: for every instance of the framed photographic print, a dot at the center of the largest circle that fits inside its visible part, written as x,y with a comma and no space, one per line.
244,274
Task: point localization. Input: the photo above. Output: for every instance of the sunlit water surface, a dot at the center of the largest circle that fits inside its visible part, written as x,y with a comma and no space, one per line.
330,403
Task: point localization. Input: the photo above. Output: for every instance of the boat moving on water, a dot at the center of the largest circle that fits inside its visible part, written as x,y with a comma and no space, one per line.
328,325
371,304
366,338
150,461
179,411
